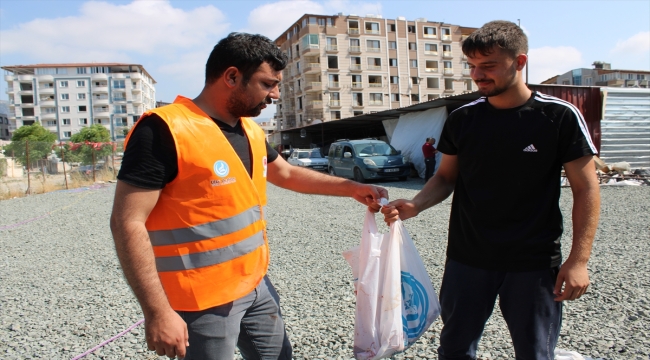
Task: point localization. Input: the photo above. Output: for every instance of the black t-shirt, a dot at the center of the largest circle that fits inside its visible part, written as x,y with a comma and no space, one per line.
505,210
150,159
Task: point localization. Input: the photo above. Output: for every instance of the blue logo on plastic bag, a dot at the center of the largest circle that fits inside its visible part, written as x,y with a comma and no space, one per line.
221,168
415,307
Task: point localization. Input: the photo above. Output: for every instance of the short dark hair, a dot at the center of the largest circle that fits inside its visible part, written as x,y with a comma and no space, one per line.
505,35
244,51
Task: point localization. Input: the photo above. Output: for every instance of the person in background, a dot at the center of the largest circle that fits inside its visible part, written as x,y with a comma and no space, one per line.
429,151
504,233
189,213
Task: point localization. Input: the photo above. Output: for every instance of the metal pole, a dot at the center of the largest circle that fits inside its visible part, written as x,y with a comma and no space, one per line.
65,176
92,149
29,182
113,160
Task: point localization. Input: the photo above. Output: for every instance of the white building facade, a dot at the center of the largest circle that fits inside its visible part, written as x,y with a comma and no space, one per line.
64,98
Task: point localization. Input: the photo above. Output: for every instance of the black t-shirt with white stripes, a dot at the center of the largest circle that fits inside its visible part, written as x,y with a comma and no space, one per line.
505,210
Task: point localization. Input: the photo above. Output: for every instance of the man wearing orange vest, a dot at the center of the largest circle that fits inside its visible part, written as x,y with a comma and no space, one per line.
188,217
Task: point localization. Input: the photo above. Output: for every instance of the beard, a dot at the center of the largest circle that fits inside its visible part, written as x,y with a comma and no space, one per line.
498,90
238,106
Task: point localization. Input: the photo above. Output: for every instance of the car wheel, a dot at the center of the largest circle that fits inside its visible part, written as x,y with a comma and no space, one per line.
358,176
402,178
332,172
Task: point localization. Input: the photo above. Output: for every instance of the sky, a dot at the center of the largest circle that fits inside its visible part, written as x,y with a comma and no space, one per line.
172,39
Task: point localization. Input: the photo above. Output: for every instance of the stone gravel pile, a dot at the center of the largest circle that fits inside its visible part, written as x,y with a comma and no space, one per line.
62,290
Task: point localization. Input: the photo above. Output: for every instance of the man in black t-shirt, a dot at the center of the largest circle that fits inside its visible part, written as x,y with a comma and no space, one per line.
161,181
504,232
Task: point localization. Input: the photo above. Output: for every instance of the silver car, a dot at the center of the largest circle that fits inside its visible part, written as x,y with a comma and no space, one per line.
308,158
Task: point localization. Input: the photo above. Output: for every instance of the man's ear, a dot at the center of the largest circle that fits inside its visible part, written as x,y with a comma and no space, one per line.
521,60
231,76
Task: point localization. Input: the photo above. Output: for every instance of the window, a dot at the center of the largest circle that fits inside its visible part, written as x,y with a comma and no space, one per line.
310,41
299,102
413,63
412,46
392,44
336,115
118,84
376,99
411,29
374,80
415,80
355,63
120,109
65,109
321,22
431,66
356,82
357,113
67,134
415,98
391,27
446,50
446,34
51,123
332,62
588,81
120,121
394,80
81,70
335,99
448,67
431,49
353,26
372,27
429,32
83,121
355,45
334,80
330,22
49,110
81,96
65,96
449,84
433,83
357,99
99,70
374,63
63,84
66,121
373,45
394,97
332,44
468,84
81,83
82,108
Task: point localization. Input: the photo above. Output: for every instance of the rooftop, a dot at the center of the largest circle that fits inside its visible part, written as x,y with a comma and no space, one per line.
20,68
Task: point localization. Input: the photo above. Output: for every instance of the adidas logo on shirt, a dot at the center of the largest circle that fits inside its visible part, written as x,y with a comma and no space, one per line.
530,148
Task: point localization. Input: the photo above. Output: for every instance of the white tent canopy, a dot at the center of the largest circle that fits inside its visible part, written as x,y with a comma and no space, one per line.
411,131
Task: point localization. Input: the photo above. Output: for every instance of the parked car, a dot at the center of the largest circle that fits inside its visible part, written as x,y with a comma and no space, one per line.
366,159
308,158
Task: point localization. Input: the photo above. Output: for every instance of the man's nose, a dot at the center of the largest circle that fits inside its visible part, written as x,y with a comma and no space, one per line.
275,92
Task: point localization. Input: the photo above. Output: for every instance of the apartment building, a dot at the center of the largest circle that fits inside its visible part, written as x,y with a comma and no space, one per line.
346,65
4,120
64,98
602,75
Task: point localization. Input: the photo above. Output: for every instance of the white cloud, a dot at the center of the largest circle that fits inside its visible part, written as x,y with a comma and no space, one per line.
109,32
546,62
636,44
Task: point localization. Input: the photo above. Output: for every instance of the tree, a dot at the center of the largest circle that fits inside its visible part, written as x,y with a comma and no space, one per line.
35,137
93,134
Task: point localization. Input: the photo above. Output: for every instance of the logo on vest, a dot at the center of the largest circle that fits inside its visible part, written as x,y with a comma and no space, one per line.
415,308
221,169
265,163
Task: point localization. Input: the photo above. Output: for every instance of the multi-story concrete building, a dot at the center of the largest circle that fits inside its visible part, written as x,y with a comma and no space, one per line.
4,120
602,75
342,66
67,97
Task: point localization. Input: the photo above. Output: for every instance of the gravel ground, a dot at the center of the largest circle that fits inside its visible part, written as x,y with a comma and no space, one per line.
62,290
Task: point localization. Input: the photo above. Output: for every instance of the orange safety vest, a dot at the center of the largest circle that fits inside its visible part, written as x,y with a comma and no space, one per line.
207,229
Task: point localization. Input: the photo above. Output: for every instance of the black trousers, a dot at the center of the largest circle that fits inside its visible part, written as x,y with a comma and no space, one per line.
430,164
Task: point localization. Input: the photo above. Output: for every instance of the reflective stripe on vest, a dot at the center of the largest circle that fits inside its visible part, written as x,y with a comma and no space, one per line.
205,231
212,257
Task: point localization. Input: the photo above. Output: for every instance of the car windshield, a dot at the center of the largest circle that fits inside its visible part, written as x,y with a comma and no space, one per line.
309,155
374,149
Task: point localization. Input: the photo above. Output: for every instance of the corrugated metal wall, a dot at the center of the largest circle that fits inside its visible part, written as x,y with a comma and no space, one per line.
625,127
586,98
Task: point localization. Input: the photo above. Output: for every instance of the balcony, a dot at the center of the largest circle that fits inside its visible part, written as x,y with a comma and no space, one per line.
48,116
466,72
430,52
100,89
334,85
431,70
332,48
137,99
137,88
101,111
446,37
298,91
355,49
335,103
375,85
449,90
372,32
357,105
311,49
313,86
312,68
374,67
98,76
376,102
353,32
10,90
100,100
430,36
46,90
446,54
355,67
47,101
314,104
373,49
448,71
357,85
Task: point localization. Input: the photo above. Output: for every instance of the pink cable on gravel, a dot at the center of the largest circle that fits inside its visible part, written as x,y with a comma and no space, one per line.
109,340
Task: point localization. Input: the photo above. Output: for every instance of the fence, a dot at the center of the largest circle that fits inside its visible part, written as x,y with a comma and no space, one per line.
32,167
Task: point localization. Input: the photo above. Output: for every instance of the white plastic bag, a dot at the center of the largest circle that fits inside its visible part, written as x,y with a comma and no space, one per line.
396,302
